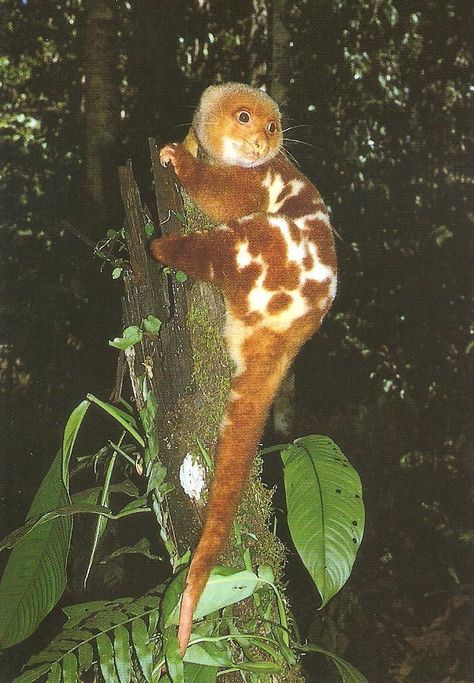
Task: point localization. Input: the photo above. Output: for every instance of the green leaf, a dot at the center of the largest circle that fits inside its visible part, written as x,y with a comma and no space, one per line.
153,619
225,586
92,495
70,435
70,668
119,416
141,547
156,476
123,659
131,335
35,575
260,667
281,634
208,654
67,511
180,276
139,503
107,619
151,324
143,648
198,673
265,573
174,659
106,658
149,229
325,510
33,674
348,673
102,522
116,273
54,675
85,656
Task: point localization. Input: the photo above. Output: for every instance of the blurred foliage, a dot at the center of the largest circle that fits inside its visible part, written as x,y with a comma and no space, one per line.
379,101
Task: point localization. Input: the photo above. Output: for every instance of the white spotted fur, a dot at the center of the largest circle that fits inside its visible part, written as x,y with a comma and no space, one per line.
275,185
259,296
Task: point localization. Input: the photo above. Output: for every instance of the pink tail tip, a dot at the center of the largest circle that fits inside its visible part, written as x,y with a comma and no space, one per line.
185,621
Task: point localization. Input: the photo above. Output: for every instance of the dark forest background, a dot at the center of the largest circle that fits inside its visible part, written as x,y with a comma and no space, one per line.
379,96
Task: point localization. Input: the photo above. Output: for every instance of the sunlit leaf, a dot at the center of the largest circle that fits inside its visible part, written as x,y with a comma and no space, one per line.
198,673
225,586
152,324
131,336
325,510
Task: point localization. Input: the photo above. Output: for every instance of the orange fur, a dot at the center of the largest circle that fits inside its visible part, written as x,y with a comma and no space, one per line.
273,258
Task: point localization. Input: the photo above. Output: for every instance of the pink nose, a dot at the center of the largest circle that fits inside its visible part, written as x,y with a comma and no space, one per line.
258,144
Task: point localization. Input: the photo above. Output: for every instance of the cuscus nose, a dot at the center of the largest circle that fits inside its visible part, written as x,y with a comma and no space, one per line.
259,145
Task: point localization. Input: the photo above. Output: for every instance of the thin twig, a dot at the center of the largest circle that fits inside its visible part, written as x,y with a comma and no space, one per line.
90,243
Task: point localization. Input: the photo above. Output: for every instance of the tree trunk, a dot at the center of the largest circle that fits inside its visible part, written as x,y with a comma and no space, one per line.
189,370
102,114
282,426
280,66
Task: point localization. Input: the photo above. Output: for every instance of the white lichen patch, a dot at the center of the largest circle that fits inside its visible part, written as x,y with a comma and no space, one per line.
192,476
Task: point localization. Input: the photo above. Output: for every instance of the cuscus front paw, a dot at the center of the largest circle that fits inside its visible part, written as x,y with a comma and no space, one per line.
168,154
175,154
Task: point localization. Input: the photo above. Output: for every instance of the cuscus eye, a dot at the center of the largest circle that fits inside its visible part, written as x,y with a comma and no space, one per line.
271,127
243,116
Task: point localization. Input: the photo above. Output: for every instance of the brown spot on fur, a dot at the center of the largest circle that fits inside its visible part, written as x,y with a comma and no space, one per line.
292,206
284,193
282,275
279,302
252,318
308,262
295,233
314,290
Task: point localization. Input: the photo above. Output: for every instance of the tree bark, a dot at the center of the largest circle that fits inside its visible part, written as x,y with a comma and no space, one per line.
280,65
282,425
102,114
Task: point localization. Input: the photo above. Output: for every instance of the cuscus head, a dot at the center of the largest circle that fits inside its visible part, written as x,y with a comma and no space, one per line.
238,125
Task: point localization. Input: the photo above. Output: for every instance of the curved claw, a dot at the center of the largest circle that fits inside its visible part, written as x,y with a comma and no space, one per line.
167,153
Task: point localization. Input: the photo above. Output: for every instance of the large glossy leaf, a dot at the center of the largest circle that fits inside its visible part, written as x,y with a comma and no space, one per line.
197,673
209,654
35,575
325,510
224,587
